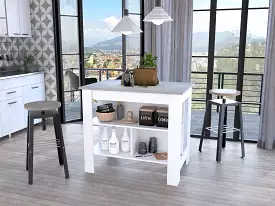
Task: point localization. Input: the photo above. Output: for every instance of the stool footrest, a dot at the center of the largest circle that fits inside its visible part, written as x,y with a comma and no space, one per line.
226,129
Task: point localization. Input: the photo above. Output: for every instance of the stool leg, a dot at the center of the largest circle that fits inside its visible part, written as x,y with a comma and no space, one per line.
44,124
58,144
224,124
30,155
220,132
241,130
62,145
28,134
204,123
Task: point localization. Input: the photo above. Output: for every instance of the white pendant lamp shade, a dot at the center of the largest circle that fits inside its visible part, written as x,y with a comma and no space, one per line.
126,26
158,16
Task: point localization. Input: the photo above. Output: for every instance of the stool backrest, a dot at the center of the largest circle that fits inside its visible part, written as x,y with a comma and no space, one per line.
73,78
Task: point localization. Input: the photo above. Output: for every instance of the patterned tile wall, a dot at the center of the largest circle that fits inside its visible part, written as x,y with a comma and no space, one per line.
41,44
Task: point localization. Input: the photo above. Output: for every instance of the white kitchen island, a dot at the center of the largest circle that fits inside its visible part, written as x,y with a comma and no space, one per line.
175,139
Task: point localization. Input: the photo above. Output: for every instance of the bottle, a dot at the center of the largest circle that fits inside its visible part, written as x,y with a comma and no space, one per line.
113,143
125,142
104,140
127,78
120,111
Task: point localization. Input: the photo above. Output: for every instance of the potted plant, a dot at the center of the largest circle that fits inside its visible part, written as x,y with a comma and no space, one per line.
146,74
28,60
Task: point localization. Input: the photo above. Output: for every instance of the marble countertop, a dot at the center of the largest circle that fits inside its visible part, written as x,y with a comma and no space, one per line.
13,74
172,88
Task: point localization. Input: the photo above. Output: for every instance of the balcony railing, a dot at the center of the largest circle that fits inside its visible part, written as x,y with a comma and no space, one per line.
251,94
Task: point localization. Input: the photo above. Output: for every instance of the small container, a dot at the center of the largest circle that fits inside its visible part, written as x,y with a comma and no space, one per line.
153,145
120,111
142,149
162,117
113,143
104,140
147,115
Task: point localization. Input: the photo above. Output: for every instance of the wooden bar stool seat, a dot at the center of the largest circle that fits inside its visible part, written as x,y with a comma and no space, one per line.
222,127
44,109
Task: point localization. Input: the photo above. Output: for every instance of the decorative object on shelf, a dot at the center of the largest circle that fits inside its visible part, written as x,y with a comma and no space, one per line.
142,150
106,112
153,147
158,15
129,119
105,108
28,61
104,140
162,117
120,111
161,156
146,74
125,141
127,78
113,143
147,115
106,116
126,26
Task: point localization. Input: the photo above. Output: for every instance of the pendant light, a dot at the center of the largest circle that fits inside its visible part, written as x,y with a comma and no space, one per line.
158,16
126,26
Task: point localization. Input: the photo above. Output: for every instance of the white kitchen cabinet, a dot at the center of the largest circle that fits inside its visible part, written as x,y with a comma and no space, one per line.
3,27
12,115
18,18
31,93
2,9
15,91
25,18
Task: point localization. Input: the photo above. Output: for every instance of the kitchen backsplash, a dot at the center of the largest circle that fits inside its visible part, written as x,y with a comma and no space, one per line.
41,44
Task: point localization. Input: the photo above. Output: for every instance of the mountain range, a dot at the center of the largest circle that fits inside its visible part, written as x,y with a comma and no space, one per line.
200,42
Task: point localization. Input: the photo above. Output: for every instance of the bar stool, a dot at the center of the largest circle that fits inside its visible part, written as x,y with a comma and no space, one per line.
44,109
222,128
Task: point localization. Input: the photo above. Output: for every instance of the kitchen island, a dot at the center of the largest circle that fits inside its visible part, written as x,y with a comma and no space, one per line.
175,140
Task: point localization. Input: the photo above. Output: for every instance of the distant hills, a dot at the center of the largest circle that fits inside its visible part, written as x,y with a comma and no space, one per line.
200,42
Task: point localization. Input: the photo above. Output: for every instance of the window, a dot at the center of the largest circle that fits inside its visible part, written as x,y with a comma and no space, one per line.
220,56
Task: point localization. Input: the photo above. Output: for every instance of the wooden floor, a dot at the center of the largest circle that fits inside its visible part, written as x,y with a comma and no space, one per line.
235,181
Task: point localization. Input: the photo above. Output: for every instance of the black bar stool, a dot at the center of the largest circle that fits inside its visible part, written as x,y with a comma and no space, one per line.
222,127
44,109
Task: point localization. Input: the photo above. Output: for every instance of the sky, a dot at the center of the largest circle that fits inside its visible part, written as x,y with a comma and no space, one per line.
100,16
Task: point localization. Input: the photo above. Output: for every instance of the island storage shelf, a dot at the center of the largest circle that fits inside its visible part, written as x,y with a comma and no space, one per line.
122,155
117,123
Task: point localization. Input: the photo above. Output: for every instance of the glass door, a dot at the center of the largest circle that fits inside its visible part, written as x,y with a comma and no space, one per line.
68,19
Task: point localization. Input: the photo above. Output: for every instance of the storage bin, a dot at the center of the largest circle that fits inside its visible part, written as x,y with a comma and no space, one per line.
147,115
162,117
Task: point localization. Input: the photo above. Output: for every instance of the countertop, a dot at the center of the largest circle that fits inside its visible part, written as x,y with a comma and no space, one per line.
13,74
169,88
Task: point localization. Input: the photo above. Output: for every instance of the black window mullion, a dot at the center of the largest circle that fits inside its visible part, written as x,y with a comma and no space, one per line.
242,48
211,56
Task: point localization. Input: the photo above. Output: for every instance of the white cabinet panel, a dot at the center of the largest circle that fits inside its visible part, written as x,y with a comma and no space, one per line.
12,115
2,9
32,93
25,18
13,18
3,28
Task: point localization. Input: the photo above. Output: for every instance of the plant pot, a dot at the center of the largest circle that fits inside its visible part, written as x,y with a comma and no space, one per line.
146,76
29,68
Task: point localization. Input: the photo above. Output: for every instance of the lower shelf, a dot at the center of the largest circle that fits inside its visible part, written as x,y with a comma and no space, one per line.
122,155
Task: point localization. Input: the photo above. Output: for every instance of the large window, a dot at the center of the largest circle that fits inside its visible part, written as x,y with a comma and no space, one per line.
229,43
103,50
86,49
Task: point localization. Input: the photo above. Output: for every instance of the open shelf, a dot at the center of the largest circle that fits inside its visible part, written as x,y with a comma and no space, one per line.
118,123
121,155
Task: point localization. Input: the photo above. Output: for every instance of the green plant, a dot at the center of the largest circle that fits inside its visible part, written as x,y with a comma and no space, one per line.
148,61
28,59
